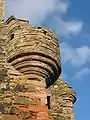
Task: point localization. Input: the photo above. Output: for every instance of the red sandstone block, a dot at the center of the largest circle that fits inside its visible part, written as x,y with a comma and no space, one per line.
33,108
38,108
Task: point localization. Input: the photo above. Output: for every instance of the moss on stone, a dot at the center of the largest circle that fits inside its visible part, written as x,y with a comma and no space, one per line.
64,88
50,112
33,26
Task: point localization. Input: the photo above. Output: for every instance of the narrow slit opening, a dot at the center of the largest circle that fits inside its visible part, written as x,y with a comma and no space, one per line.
48,102
12,36
45,32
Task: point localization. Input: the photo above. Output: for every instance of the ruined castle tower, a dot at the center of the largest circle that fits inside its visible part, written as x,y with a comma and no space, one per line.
31,87
1,9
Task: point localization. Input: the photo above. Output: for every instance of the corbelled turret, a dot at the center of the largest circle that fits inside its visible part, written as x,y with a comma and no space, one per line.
33,51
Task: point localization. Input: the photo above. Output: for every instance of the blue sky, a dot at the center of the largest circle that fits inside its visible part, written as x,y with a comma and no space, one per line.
70,20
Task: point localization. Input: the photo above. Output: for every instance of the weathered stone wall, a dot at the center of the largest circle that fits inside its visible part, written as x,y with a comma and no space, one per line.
1,10
30,65
32,61
3,38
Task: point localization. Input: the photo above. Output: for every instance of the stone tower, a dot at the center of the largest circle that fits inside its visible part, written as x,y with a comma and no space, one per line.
31,87
1,10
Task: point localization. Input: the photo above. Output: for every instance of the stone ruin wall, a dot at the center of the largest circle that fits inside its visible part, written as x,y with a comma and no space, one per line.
30,64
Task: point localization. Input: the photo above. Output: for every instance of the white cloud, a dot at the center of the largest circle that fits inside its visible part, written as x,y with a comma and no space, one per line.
82,74
34,10
66,28
73,28
76,56
62,5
